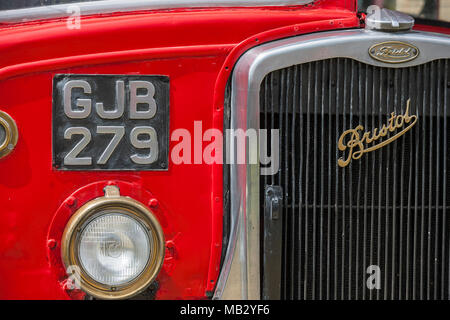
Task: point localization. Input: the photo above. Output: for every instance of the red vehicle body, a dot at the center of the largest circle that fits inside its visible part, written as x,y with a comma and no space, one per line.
197,48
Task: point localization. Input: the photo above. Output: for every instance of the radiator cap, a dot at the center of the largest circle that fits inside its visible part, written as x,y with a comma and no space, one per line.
387,20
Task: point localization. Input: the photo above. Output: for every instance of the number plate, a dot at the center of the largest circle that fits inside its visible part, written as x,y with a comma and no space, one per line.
110,122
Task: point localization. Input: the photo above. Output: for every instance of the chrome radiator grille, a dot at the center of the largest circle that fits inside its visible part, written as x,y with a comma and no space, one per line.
388,208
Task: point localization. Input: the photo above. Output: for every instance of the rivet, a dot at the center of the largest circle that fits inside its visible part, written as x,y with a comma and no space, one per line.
153,203
51,243
71,201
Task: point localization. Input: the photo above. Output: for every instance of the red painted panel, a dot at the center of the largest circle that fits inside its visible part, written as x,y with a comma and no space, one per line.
196,49
431,28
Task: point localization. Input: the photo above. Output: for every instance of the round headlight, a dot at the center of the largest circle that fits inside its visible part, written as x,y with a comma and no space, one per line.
116,243
114,248
8,134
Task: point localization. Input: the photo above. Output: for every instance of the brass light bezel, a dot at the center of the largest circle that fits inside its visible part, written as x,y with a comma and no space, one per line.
11,134
127,206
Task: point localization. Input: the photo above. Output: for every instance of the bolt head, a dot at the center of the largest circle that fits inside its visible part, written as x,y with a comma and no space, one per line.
51,243
153,203
71,201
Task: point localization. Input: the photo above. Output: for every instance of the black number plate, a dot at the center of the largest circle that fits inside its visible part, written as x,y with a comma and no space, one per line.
110,122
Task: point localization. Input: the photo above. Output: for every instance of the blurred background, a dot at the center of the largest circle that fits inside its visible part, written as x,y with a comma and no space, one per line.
426,9
18,4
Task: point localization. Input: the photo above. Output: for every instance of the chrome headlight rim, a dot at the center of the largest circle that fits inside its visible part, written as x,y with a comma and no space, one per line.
135,210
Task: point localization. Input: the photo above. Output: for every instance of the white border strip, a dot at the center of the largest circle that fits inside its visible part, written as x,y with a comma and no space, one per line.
110,6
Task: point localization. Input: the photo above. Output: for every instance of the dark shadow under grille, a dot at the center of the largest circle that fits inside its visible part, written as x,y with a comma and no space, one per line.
388,208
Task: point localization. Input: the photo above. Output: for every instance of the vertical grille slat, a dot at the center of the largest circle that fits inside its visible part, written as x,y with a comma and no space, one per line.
444,185
293,180
359,103
307,259
430,181
416,190
409,207
336,186
300,188
350,227
386,209
366,164
378,159
436,195
343,229
388,195
423,226
398,267
322,166
329,190
314,182
397,100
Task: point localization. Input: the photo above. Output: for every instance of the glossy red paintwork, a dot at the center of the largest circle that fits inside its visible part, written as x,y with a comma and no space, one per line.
431,28
197,50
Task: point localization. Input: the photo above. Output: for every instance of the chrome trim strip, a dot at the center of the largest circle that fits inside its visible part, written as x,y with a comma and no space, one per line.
247,76
110,6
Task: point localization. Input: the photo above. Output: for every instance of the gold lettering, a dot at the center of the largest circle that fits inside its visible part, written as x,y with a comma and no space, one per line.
354,142
356,146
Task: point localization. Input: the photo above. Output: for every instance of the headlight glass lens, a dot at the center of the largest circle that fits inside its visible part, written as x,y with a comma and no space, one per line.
114,248
2,134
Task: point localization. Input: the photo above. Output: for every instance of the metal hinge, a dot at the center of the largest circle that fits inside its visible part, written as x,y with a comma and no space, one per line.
272,243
